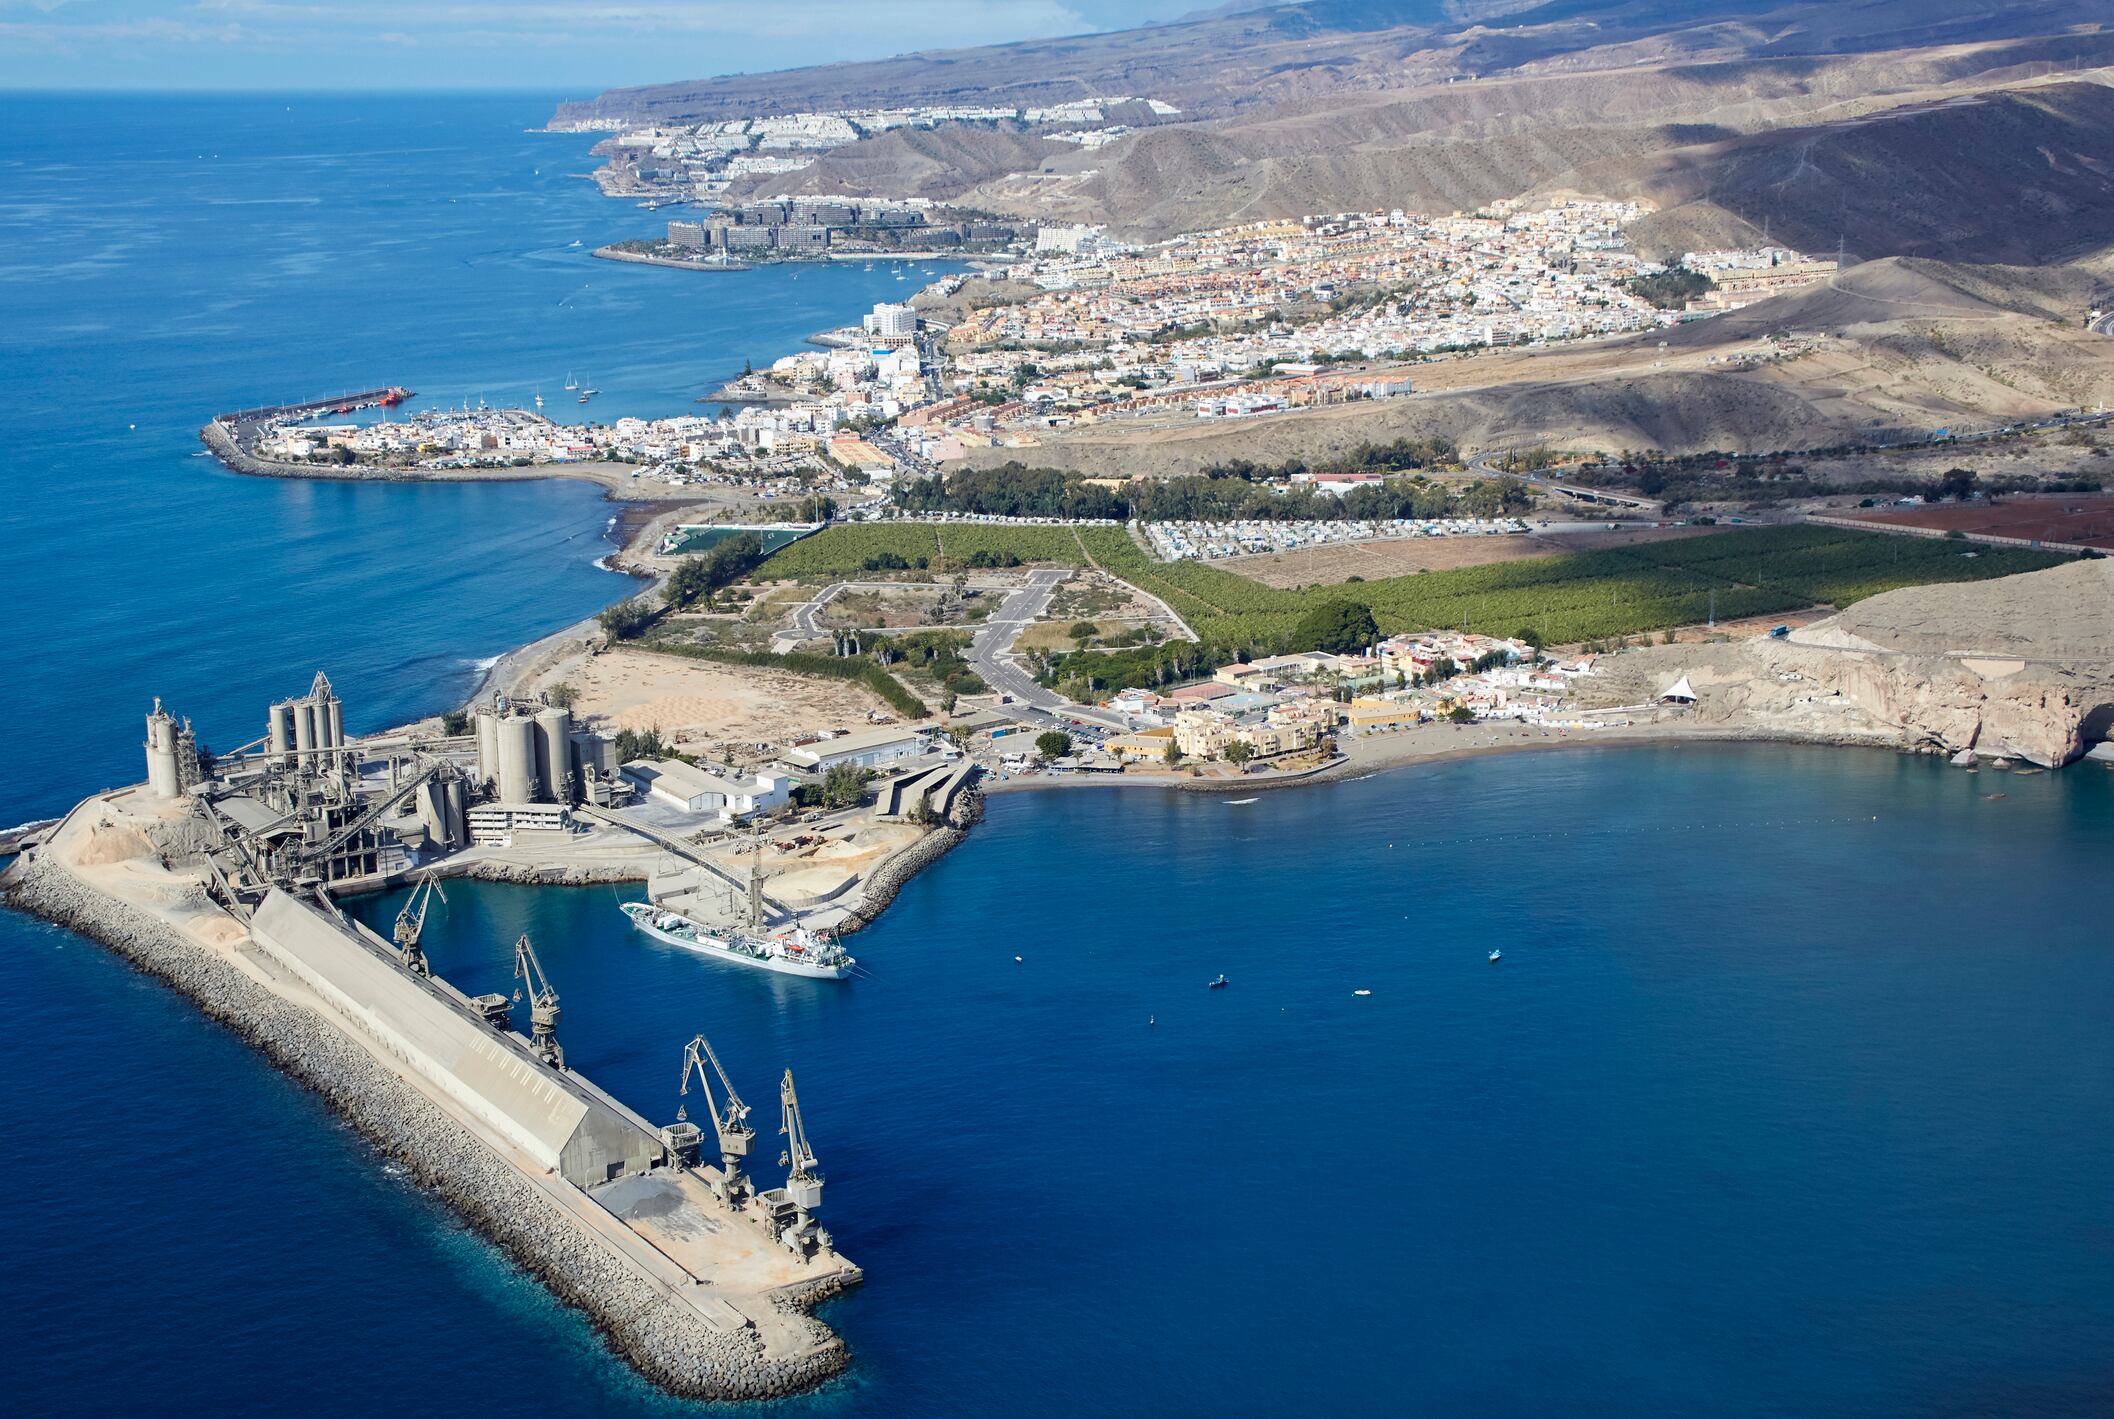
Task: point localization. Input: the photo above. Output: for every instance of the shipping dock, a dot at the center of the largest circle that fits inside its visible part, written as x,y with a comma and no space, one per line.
219,876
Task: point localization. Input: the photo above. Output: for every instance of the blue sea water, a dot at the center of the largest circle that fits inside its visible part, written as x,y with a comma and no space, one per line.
1790,1096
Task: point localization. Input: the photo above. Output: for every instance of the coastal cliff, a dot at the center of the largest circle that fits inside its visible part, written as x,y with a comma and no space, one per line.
2021,667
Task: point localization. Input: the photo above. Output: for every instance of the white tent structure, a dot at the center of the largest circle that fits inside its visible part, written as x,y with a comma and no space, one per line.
1679,693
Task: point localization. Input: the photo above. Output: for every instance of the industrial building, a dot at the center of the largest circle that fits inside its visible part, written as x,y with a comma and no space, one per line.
868,749
695,788
306,806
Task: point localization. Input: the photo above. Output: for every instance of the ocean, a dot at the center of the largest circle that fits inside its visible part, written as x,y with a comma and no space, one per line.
1788,1097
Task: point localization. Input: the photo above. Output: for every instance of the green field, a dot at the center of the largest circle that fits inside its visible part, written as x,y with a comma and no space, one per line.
1571,597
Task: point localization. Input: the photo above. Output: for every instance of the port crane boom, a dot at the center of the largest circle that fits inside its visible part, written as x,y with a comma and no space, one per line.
543,1003
730,1122
411,924
803,1184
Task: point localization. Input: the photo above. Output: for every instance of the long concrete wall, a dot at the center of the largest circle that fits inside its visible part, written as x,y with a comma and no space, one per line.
537,1109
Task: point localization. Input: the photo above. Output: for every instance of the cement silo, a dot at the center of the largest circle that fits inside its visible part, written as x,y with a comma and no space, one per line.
433,813
458,815
554,753
487,746
162,779
517,760
280,733
305,731
334,729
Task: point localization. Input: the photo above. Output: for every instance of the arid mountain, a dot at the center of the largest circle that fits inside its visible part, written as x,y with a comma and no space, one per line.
2019,175
1242,58
1959,129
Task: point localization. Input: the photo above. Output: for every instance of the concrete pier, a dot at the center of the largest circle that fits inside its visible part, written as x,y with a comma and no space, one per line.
699,1298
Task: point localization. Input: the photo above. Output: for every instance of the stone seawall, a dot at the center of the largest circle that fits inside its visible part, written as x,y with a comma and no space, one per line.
890,877
665,1341
222,444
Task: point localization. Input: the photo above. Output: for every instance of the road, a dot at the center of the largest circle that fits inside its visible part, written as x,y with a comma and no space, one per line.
991,652
1481,464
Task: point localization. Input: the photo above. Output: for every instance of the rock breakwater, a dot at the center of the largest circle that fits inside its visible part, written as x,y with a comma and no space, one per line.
669,1343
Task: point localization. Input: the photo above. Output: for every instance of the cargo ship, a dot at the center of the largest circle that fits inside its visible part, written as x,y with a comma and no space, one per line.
798,952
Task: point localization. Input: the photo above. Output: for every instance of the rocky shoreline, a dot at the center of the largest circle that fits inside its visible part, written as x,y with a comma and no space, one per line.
894,874
667,1343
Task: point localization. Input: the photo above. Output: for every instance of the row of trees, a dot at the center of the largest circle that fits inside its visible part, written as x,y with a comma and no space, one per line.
727,562
1219,495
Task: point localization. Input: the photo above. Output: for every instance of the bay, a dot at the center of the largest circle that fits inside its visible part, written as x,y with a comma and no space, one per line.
1789,1095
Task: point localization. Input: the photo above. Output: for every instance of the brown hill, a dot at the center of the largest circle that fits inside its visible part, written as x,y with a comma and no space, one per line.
2020,176
1894,126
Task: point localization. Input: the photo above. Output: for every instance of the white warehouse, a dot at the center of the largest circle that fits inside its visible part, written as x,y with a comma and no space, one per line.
701,790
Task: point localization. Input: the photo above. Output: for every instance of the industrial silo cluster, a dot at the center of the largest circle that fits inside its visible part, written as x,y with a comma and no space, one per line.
172,754
443,807
530,753
308,732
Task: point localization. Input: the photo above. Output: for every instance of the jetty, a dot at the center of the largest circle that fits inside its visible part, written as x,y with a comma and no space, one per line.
383,398
218,877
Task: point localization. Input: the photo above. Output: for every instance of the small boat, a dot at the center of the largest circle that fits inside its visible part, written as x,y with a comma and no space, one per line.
1497,955
583,398
1992,797
1239,802
1361,992
1220,983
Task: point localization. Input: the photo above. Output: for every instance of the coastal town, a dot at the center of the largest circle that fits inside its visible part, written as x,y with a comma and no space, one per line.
1234,324
702,161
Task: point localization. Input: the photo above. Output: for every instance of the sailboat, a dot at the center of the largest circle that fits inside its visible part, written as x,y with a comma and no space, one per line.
570,382
539,399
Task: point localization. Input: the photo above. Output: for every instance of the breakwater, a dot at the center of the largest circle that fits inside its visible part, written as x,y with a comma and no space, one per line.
665,1338
894,874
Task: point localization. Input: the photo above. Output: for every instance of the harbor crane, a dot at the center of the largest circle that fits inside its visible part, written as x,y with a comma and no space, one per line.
803,1184
543,1003
730,1122
411,924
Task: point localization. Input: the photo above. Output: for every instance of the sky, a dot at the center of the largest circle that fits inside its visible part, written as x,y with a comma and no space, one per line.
554,46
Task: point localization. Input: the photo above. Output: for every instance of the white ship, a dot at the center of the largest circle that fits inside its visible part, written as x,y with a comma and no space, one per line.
798,952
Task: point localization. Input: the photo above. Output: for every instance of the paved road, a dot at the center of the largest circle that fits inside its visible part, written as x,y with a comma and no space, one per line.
1482,465
991,652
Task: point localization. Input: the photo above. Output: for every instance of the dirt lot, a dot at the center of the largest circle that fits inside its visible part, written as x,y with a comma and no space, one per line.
697,704
1326,566
2079,518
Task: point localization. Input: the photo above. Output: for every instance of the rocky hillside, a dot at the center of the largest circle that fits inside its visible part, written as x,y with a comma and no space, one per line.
2020,667
1961,129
